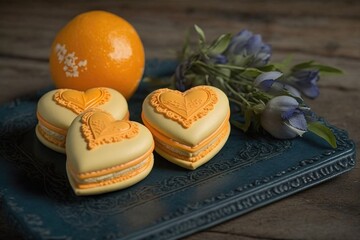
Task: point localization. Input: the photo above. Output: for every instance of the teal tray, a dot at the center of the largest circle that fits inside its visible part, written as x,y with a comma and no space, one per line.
249,172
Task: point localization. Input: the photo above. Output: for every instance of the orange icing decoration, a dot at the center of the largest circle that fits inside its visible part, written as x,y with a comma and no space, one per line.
184,108
99,127
78,101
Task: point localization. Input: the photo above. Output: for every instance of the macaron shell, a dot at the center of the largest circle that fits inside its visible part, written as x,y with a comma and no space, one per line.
62,117
198,131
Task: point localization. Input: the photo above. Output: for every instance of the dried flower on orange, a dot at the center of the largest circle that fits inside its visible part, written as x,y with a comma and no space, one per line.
98,49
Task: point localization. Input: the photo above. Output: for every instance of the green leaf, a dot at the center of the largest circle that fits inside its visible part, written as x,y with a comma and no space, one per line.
268,68
225,72
320,67
248,116
327,69
322,131
251,72
201,34
220,44
304,65
283,66
238,60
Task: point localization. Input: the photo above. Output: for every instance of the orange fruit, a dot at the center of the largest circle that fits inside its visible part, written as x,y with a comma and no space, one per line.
97,49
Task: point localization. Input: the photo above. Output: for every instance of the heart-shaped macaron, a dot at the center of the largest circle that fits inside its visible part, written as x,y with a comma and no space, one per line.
189,128
105,154
58,108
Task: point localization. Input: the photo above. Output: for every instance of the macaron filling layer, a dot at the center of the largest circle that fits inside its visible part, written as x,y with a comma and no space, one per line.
51,133
205,150
120,173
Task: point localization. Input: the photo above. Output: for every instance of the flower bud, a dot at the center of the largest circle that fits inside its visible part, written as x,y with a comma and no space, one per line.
283,118
268,82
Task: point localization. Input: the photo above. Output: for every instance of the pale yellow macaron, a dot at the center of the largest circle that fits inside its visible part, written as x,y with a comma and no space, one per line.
58,108
104,154
189,128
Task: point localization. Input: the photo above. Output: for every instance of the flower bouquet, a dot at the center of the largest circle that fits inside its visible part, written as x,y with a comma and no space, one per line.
263,95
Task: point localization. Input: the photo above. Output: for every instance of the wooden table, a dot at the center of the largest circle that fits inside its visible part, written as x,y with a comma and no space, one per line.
327,31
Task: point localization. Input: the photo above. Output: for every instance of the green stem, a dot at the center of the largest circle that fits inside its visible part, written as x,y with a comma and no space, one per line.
210,70
231,67
237,94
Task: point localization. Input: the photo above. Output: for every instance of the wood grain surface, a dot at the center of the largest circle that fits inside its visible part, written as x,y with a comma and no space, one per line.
327,31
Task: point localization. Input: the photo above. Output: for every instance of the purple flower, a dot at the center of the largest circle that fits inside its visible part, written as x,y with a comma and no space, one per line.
284,118
247,48
269,82
305,80
239,41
